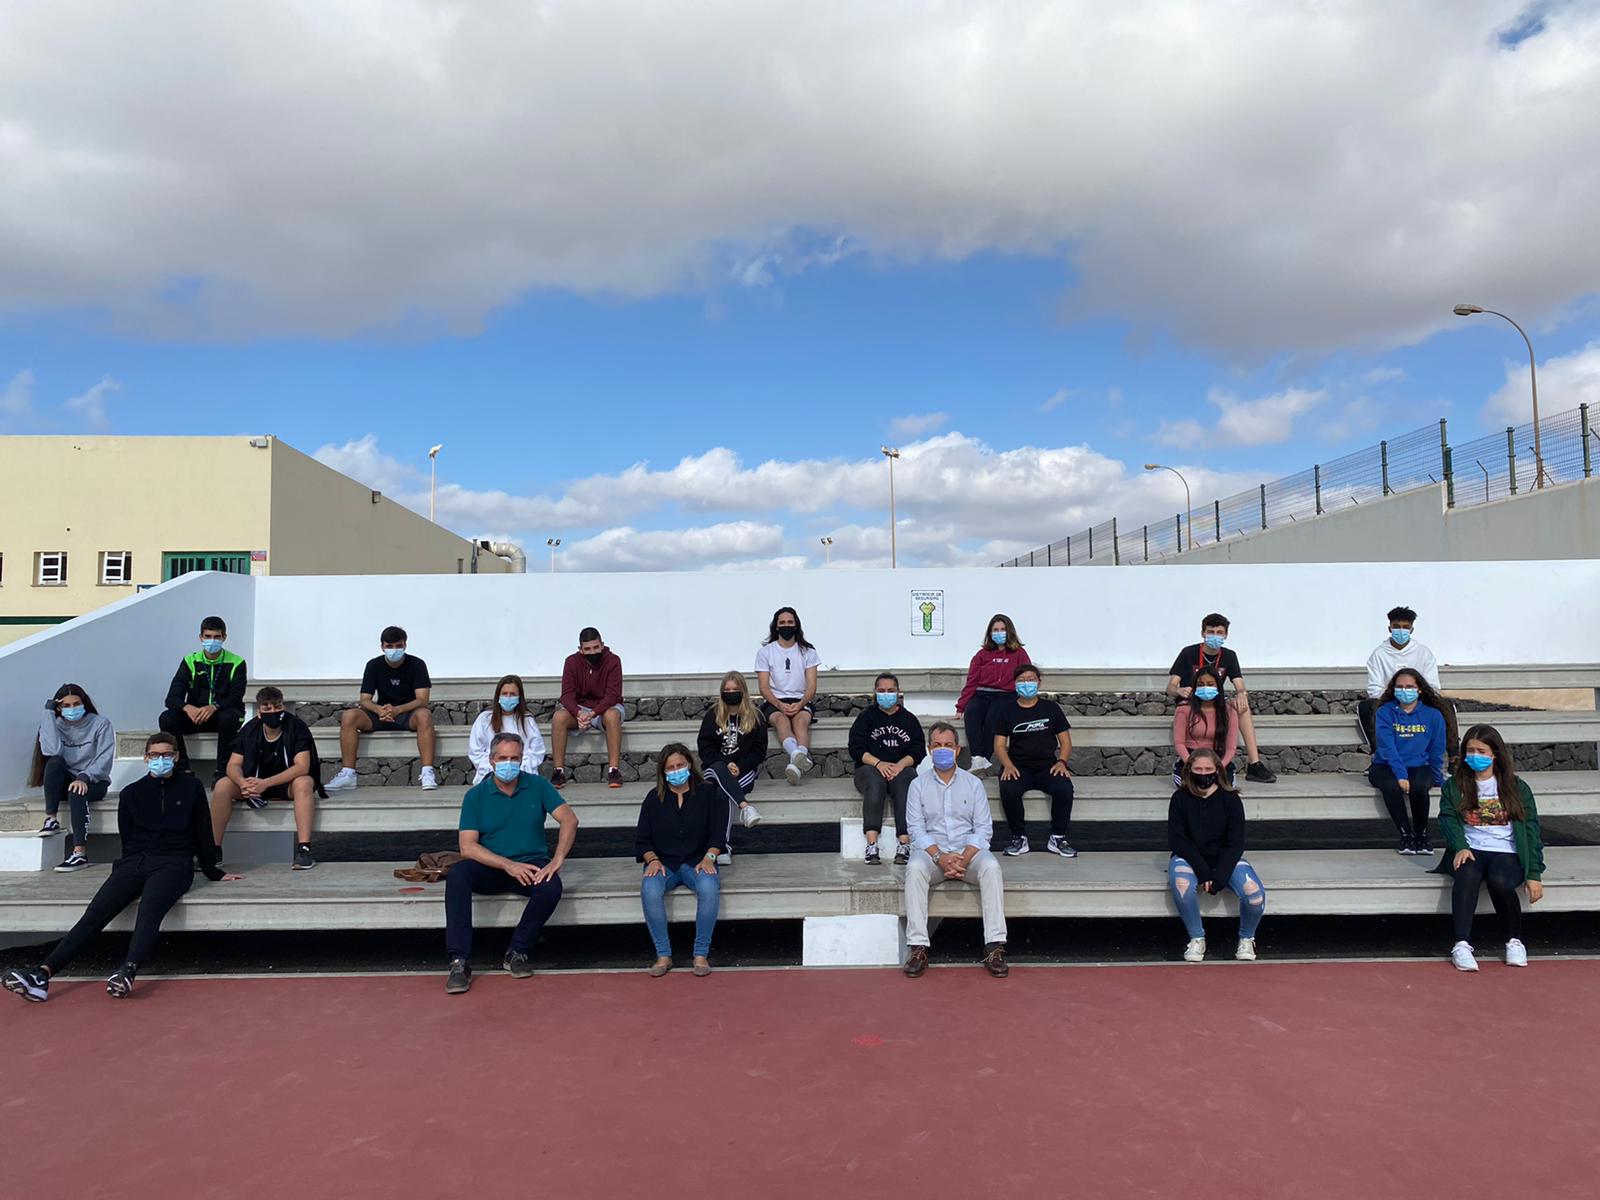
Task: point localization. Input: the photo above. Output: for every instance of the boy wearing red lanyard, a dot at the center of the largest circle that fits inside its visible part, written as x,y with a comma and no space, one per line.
1212,655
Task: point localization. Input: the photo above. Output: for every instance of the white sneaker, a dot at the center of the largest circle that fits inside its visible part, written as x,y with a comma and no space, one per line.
792,774
802,759
346,778
749,816
1246,951
1195,951
724,858
1516,953
980,764
1461,957
429,779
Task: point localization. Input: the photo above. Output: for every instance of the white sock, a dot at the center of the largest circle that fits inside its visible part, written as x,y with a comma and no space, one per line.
790,746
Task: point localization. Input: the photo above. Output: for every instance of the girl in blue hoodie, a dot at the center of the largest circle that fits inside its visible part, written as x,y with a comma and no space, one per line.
1409,760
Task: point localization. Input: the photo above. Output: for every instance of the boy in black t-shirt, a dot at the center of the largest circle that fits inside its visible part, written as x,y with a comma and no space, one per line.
1032,742
274,758
394,696
1210,653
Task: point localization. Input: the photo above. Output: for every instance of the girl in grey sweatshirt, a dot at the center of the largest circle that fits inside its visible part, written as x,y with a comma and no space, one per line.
72,761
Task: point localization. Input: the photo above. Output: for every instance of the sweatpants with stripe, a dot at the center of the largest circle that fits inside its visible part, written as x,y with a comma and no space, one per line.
156,881
734,787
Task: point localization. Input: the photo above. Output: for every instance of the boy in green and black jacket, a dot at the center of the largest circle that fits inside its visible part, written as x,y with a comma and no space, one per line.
207,695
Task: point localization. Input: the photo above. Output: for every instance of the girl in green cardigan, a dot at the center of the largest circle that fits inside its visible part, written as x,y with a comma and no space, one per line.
1491,831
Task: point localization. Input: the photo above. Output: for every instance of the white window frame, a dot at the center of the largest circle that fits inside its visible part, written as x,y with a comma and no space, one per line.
124,561
39,568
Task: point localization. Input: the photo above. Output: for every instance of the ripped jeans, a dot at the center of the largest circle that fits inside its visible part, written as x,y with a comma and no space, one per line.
1186,895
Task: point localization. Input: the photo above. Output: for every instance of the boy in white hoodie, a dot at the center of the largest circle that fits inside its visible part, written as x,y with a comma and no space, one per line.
1399,651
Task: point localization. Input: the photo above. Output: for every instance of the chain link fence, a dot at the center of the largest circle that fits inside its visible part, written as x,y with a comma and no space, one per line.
1477,472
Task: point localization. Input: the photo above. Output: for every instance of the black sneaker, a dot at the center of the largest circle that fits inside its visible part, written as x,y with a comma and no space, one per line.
874,857
517,965
73,862
1408,844
302,857
1259,772
121,982
558,778
460,977
1421,844
1058,844
613,778
902,854
1019,845
30,983
51,825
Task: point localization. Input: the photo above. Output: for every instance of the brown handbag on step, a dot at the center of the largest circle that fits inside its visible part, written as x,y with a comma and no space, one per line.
431,867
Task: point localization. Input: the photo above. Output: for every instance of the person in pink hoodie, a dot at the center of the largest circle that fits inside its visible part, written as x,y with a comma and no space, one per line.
989,684
1205,721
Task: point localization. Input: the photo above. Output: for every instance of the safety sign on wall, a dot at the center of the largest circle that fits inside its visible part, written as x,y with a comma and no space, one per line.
927,614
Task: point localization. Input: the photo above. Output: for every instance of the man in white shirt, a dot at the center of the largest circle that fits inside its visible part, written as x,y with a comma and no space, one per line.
948,817
1400,651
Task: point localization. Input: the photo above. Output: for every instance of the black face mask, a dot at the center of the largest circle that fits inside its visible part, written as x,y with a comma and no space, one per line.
272,720
1202,782
733,699
594,659
786,633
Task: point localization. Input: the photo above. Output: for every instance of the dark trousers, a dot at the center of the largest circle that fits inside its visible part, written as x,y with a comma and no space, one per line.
979,719
1367,712
875,789
1503,873
1037,779
56,779
1416,821
157,883
224,723
470,877
735,788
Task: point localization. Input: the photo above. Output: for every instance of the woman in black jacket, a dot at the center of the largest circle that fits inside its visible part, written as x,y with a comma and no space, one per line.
733,745
1205,832
678,838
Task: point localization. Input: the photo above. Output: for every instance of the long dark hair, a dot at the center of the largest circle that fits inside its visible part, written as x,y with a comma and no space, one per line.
1013,642
1197,709
799,630
667,751
520,712
1425,693
36,767
1505,774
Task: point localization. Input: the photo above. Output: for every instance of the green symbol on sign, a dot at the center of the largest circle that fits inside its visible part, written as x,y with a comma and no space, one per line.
927,609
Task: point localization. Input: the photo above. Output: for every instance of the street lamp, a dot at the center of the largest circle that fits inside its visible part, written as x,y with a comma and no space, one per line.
891,454
1187,502
433,476
827,551
553,543
1472,310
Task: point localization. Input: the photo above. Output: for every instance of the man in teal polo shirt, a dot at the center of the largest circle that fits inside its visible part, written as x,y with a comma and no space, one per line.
503,849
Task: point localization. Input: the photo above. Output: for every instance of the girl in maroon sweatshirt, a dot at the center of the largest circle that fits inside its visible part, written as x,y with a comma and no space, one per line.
989,683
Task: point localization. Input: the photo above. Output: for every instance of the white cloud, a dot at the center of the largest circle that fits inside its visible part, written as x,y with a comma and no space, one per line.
1056,400
1359,415
1383,374
1263,421
17,399
918,425
429,163
1187,432
1565,382
91,405
628,549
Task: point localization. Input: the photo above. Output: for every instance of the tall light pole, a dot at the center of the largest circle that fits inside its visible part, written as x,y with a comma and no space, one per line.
827,551
1188,503
891,454
1472,310
433,477
554,544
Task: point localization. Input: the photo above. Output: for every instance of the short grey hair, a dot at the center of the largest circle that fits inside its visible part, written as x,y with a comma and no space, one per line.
505,737
945,726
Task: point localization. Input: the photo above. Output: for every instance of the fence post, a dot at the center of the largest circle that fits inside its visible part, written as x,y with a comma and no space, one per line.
1583,431
1177,522
1263,506
1447,460
1216,513
1048,556
1511,456
1116,551
1030,558
1383,457
1069,549
1091,545
1147,542
1316,483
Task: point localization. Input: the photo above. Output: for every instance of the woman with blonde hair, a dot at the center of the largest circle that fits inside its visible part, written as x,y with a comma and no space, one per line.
733,745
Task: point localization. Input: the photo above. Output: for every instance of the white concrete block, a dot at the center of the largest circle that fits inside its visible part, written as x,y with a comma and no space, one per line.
31,851
852,839
866,940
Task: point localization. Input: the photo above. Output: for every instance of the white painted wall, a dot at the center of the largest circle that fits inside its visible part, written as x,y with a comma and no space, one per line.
123,654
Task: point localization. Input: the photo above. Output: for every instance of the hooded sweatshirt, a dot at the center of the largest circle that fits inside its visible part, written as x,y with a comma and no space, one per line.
1410,739
991,670
595,686
201,681
167,818
1389,658
85,747
1207,832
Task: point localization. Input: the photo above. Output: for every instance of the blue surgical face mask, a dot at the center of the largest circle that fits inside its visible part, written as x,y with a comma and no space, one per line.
1406,695
943,757
1478,762
394,654
998,636
73,713
1214,641
1400,636
505,771
678,777
1205,693
507,703
161,766
211,645
888,699
1027,689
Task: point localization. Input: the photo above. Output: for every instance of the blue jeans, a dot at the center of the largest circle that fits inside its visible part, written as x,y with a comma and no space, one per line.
1186,895
707,890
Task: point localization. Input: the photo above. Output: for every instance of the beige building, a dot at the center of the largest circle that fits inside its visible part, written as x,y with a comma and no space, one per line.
88,520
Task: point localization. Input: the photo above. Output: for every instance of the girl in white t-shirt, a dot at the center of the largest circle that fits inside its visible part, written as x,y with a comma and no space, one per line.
507,713
786,669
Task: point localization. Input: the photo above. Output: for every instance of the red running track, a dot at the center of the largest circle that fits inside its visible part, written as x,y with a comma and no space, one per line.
1274,1080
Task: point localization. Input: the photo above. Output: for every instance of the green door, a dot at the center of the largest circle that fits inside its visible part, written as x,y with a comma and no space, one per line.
181,562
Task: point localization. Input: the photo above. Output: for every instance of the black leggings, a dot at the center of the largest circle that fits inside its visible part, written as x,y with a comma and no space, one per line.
1416,822
875,790
1503,873
157,883
979,718
1038,779
736,788
56,780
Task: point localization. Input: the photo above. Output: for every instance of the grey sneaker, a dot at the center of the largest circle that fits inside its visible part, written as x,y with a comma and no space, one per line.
517,965
1058,844
902,854
874,858
460,978
302,857
1019,845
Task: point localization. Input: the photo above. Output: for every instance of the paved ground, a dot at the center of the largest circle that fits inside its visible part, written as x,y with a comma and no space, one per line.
1228,1081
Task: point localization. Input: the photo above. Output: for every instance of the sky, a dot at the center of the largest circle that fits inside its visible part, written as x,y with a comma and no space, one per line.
663,277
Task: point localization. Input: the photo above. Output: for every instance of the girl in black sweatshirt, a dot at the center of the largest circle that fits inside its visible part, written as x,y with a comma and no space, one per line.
733,745
1205,832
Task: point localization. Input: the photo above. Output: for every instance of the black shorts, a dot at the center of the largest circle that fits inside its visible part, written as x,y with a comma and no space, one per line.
279,791
767,710
401,724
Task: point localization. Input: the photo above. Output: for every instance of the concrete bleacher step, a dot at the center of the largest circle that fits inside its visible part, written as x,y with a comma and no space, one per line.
1119,730
1099,798
792,886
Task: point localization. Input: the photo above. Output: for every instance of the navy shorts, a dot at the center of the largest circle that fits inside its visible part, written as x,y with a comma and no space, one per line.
401,724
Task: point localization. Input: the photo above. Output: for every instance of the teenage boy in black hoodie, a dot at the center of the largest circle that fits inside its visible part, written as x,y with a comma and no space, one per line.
165,827
887,743
274,758
207,695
